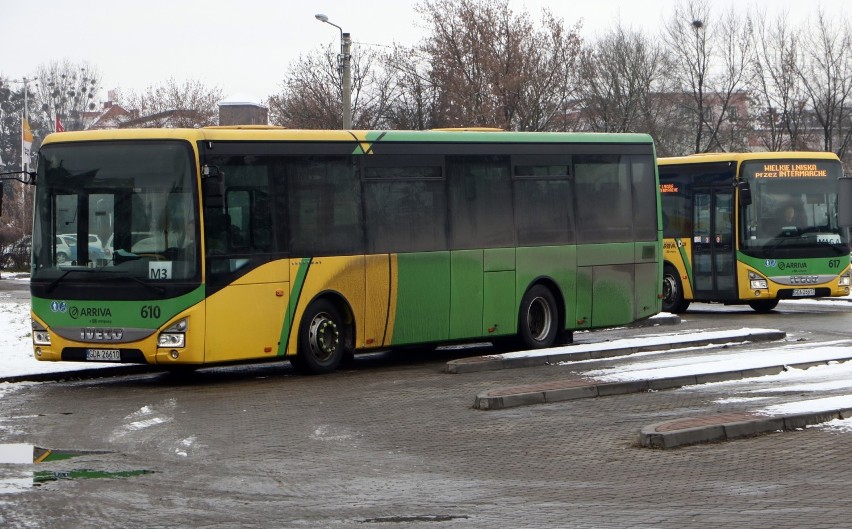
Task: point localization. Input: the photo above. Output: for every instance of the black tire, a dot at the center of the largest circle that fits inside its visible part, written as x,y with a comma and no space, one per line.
538,320
673,292
763,305
322,339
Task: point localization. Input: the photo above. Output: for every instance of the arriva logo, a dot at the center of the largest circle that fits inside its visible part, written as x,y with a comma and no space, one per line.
771,263
89,312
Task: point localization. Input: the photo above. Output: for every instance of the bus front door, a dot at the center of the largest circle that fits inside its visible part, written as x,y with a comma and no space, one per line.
713,256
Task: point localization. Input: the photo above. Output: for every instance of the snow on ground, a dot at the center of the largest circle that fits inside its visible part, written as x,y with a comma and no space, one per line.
16,346
774,355
16,358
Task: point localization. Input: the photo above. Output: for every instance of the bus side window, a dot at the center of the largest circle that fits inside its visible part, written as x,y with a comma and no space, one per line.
261,221
217,226
239,204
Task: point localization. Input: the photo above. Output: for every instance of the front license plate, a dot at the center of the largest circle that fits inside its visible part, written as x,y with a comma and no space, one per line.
103,355
800,292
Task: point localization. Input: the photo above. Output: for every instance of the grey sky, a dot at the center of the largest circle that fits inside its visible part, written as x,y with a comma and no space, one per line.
245,47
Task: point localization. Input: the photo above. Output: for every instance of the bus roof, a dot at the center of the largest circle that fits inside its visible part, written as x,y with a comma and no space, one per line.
271,133
717,157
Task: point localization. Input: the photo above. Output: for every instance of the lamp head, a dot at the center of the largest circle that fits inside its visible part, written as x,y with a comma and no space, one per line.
321,17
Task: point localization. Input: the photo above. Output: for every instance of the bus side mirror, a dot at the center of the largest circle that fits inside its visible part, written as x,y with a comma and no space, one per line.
745,192
213,186
25,177
844,202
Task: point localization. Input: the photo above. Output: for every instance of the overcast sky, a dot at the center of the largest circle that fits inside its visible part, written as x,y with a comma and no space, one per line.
246,46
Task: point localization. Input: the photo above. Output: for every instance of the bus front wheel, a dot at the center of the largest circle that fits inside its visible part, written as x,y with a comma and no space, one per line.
763,305
673,292
322,339
538,321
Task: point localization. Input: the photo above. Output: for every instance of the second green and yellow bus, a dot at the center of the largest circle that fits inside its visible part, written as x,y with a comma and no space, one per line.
752,228
233,244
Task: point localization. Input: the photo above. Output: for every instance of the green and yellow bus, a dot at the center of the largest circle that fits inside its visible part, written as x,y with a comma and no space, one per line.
231,244
752,228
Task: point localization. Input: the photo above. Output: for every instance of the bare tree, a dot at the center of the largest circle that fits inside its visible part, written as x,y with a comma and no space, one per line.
618,79
64,90
414,97
777,87
190,105
826,72
16,220
11,110
16,214
491,67
710,58
313,91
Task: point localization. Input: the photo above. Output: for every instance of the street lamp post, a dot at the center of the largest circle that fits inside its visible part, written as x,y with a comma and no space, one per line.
345,70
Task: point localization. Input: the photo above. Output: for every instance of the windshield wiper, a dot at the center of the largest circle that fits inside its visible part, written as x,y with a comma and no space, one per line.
838,246
59,279
117,273
778,241
124,274
155,288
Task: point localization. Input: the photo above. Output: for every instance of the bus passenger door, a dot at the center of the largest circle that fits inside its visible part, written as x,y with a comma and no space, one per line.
713,257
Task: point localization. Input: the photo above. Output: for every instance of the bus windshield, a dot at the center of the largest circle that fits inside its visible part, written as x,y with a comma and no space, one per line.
793,211
116,209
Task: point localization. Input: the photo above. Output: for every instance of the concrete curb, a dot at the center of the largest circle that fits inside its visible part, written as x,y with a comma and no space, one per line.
668,319
83,374
495,362
729,426
562,390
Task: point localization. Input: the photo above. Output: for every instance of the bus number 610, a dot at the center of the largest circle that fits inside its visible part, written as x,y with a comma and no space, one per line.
150,311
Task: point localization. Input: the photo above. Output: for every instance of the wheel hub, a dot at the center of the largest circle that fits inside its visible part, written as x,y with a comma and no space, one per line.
323,336
540,319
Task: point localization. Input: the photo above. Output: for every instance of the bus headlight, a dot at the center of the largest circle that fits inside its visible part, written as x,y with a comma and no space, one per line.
40,334
174,335
757,282
844,280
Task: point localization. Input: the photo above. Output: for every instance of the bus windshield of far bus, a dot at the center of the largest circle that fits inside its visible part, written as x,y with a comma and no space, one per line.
113,210
793,210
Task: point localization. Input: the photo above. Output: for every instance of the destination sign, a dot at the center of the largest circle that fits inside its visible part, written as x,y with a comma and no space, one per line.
790,170
668,188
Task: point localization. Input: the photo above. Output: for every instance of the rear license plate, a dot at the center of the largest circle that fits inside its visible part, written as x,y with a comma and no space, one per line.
103,355
800,292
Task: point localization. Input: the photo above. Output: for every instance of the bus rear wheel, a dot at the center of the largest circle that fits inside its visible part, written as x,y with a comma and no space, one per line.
673,292
538,322
763,305
322,339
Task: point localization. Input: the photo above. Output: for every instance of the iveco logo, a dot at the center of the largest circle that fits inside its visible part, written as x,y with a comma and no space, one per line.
804,280
101,335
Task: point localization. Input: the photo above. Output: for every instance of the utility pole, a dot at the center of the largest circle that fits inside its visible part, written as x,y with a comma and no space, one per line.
344,67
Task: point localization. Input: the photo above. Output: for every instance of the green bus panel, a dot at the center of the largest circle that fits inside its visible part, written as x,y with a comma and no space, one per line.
143,314
648,281
613,295
585,286
499,259
500,305
466,295
800,266
606,254
649,278
606,276
423,298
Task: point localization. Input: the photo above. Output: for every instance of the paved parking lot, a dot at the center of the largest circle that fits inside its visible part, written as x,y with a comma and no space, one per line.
396,442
